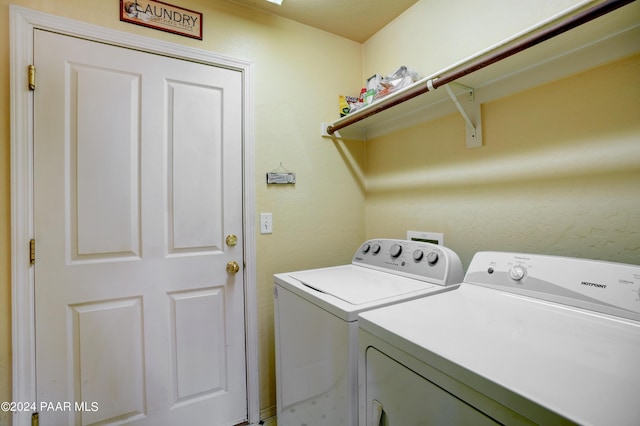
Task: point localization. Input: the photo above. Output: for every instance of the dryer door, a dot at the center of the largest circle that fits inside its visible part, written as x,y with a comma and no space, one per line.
397,396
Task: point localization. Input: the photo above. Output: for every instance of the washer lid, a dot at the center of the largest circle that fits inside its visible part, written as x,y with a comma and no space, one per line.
358,285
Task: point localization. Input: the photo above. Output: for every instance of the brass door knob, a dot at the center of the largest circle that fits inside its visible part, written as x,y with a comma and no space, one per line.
233,267
232,240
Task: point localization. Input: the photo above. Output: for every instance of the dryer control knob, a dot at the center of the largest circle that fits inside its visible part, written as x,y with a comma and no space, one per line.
395,250
418,255
516,273
432,258
375,249
365,248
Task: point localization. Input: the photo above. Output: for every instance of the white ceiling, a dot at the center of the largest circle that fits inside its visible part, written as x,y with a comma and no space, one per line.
356,20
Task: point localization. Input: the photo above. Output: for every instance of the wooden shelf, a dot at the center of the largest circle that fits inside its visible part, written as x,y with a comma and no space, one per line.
602,40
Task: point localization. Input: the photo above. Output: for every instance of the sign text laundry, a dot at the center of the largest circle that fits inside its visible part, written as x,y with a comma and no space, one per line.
162,16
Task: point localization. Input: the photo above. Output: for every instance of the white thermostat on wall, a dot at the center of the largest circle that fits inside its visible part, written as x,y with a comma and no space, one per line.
426,237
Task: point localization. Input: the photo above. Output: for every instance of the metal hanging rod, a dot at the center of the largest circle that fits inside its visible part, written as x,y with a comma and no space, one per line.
499,54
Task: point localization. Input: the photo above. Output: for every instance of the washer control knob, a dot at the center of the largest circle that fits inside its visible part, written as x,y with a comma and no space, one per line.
395,250
418,255
432,258
375,249
365,248
516,272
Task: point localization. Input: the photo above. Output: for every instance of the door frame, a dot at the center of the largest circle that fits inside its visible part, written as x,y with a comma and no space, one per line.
23,22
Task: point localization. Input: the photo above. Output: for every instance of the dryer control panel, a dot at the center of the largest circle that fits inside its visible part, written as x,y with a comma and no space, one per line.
607,287
414,259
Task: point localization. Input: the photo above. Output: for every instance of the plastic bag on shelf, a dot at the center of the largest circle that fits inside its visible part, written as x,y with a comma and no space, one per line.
400,79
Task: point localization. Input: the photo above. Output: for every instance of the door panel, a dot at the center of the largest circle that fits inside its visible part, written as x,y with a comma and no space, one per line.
195,119
105,205
199,358
108,353
138,179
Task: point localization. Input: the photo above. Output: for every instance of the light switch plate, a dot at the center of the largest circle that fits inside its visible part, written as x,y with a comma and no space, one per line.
266,223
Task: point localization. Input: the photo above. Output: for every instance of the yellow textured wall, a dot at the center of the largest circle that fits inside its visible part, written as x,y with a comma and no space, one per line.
559,172
317,222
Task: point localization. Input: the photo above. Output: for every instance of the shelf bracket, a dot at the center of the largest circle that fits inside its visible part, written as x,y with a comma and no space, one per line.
472,117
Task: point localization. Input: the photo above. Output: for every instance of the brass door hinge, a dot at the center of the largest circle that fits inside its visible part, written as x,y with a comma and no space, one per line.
32,77
34,419
32,251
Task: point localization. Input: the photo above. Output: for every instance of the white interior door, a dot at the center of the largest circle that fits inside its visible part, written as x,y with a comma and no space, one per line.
138,182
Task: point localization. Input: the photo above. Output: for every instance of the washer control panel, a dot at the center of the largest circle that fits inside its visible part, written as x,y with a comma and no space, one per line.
414,259
607,287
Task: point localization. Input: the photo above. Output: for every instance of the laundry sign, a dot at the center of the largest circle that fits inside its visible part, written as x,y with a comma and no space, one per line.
162,16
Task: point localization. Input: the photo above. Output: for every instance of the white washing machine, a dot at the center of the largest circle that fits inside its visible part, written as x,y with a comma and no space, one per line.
525,339
316,323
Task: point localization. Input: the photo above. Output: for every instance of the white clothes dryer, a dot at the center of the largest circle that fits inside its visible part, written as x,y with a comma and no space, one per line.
525,339
316,323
